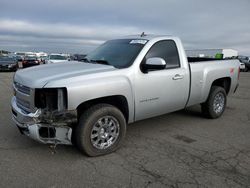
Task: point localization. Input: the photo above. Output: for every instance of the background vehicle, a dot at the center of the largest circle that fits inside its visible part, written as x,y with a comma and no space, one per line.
247,66
56,58
123,81
8,63
4,53
20,54
79,57
30,61
43,59
246,61
242,66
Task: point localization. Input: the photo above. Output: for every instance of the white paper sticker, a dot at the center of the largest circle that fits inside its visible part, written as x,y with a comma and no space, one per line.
138,41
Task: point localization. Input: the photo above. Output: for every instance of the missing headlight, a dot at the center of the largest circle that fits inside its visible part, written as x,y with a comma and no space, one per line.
61,100
51,99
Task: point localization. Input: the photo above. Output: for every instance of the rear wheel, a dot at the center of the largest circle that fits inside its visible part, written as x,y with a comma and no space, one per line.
216,103
101,130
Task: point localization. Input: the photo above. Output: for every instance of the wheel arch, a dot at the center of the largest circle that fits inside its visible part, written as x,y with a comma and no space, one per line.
224,82
118,101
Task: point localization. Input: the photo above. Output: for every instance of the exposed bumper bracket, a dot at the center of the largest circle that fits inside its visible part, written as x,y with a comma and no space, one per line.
30,125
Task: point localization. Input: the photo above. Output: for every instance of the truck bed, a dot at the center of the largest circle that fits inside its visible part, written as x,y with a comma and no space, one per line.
203,73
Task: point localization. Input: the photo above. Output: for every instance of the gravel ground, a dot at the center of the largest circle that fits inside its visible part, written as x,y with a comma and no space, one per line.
180,149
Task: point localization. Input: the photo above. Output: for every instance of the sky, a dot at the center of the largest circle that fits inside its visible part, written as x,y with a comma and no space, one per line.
79,26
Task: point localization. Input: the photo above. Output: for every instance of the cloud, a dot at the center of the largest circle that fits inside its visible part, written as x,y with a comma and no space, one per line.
73,25
63,30
32,35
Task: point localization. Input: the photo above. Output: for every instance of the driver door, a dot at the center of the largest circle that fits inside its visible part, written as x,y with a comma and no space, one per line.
161,91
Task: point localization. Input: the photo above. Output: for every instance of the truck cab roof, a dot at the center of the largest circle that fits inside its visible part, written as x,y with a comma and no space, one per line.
147,36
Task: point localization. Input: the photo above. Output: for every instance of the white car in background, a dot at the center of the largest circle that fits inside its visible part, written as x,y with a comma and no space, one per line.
242,66
56,58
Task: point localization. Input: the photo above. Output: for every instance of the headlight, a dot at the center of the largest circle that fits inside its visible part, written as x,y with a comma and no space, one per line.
51,99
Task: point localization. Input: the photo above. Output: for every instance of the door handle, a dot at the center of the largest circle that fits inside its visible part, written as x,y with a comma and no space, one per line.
178,77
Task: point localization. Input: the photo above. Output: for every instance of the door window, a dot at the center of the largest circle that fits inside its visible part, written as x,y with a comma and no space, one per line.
166,50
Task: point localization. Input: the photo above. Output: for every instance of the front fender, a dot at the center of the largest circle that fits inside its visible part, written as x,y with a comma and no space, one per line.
101,87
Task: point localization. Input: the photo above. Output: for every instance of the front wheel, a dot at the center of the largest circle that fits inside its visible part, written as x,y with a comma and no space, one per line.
216,103
101,130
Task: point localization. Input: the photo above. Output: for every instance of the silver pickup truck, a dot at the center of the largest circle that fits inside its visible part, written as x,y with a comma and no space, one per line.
89,104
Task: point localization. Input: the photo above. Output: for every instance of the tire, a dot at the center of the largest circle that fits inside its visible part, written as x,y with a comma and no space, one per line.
101,130
246,69
216,103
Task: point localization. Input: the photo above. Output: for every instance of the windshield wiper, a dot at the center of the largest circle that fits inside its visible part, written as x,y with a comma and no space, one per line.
100,61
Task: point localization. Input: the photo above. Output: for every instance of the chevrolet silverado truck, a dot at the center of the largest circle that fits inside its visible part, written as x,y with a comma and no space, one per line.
89,104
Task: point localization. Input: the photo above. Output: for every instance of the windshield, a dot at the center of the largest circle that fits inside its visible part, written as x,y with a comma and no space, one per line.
7,59
20,53
58,57
119,53
30,58
43,57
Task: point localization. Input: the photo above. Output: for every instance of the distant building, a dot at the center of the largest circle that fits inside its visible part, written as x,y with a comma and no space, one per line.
212,53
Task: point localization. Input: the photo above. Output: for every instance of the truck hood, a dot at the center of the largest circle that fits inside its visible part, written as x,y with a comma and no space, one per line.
39,76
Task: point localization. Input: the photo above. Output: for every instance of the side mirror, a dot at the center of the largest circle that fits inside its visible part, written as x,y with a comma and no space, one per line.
154,63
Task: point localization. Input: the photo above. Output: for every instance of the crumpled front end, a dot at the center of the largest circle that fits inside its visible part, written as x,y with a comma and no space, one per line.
42,115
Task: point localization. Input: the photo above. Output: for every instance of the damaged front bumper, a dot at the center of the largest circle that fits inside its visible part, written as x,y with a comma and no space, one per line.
55,130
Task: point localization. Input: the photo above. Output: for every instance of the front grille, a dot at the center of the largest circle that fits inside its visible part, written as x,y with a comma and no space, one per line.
13,112
22,88
22,104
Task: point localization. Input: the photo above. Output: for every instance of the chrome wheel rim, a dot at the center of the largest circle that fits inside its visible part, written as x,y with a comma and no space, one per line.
105,132
219,103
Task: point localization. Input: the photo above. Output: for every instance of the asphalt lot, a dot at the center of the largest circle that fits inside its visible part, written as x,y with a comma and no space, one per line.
180,149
